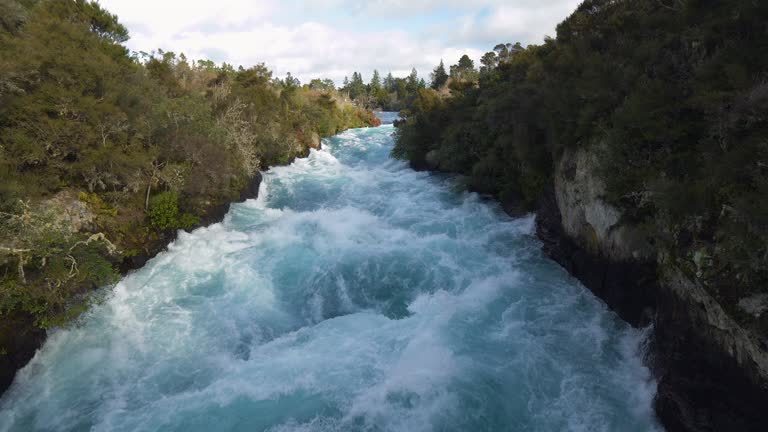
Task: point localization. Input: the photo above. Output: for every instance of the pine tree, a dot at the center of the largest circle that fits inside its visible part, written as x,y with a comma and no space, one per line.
356,86
375,82
439,76
389,83
412,85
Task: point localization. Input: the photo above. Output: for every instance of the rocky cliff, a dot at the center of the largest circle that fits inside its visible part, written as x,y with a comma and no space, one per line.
712,372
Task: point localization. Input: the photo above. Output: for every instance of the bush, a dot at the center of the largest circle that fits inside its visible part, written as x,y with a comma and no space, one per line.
49,268
164,213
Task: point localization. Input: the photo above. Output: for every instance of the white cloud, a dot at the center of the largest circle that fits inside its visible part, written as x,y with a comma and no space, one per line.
332,38
530,23
401,8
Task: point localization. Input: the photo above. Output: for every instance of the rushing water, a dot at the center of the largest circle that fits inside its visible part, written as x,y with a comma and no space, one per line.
353,295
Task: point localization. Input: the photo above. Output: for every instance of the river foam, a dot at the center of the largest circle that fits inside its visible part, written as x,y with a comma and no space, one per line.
353,295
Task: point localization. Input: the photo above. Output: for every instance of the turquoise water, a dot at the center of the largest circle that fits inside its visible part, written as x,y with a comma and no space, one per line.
353,295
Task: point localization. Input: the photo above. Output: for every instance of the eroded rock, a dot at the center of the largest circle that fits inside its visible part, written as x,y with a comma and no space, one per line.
69,211
588,217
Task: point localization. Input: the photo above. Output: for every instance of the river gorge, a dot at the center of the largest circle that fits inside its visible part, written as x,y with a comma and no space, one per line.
353,294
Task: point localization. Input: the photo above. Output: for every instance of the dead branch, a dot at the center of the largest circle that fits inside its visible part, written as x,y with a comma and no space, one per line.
111,248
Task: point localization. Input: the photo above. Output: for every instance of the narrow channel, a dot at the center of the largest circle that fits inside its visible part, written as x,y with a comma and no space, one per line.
354,294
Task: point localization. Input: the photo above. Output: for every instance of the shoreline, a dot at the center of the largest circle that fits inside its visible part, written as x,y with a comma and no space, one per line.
699,387
29,338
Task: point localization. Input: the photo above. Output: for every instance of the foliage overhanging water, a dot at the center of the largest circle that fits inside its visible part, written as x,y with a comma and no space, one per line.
353,295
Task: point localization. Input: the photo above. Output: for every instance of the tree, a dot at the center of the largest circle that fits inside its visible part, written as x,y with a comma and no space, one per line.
322,85
464,70
465,63
501,50
412,85
375,82
254,77
439,76
356,87
489,62
389,83
291,82
504,52
90,14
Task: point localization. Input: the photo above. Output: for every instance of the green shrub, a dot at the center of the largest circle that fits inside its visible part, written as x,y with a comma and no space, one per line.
164,213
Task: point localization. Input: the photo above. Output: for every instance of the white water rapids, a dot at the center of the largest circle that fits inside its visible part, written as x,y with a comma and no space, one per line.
354,294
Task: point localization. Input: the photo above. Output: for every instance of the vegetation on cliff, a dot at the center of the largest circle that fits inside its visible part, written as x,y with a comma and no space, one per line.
104,154
673,97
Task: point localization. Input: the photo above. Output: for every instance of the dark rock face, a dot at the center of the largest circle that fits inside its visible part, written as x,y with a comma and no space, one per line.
252,189
700,387
21,344
513,205
629,288
26,338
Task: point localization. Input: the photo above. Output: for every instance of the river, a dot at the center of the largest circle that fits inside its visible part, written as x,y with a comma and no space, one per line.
354,294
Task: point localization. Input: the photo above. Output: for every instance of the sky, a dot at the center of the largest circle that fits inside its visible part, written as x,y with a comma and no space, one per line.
333,38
